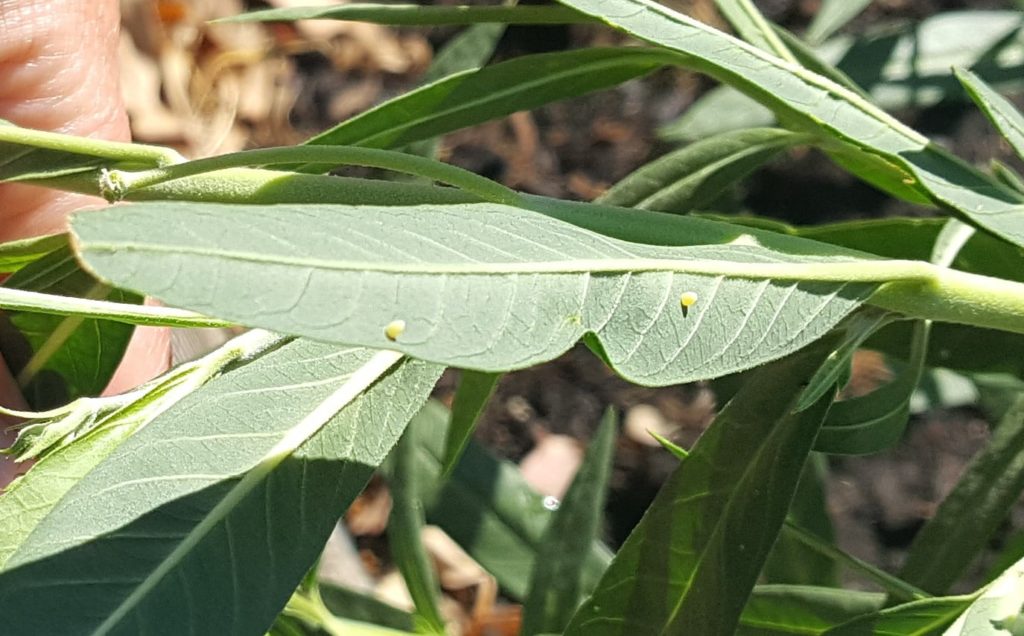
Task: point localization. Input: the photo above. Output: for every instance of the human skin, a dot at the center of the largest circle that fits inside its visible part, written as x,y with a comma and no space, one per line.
59,72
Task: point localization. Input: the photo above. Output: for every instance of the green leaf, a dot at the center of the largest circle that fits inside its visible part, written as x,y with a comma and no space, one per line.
832,16
998,610
64,358
694,176
810,59
27,154
834,373
96,426
790,560
417,14
810,102
1003,115
405,525
993,481
1007,175
802,609
722,109
468,50
537,284
872,422
557,585
473,97
354,606
16,254
752,26
916,618
900,66
223,501
879,172
306,613
471,396
897,588
487,507
691,562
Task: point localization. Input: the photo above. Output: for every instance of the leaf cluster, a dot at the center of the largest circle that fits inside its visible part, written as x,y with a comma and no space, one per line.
202,499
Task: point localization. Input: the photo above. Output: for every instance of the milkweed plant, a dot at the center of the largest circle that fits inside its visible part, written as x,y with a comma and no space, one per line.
198,503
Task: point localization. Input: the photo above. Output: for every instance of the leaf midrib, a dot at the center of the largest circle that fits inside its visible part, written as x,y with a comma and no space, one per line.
866,271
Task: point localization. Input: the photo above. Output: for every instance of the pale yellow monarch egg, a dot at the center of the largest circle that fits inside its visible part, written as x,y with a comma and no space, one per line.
688,299
394,329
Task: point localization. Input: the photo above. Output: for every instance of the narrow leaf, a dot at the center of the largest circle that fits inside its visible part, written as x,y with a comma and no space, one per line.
404,529
557,585
802,609
946,546
872,422
752,26
468,50
492,92
223,501
417,14
488,508
16,254
382,265
830,376
896,587
1008,175
693,559
474,390
808,101
345,603
810,59
1003,115
832,16
720,110
792,561
306,614
916,618
900,66
694,176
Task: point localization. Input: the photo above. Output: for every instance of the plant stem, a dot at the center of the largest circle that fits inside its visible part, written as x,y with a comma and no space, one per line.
325,155
895,586
119,152
20,300
419,15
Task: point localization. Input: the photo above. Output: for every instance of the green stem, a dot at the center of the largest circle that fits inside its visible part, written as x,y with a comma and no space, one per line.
122,153
896,587
419,15
20,300
122,183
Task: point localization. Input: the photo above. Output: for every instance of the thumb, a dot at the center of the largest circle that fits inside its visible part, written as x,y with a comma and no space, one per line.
58,72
